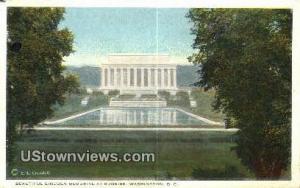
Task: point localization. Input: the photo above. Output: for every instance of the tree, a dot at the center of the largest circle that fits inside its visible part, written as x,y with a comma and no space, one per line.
245,55
182,99
36,47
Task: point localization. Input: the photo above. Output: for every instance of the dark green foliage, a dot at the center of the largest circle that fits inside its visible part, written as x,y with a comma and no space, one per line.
182,99
113,93
88,76
82,90
98,93
34,71
245,55
164,94
72,84
35,80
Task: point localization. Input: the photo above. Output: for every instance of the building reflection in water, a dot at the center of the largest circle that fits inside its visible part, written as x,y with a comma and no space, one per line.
135,116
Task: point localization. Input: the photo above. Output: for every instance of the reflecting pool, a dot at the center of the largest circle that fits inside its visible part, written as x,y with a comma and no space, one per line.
134,116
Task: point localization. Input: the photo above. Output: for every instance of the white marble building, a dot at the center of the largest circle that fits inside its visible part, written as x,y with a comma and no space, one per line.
138,74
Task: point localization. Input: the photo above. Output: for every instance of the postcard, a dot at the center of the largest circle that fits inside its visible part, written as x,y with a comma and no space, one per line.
101,94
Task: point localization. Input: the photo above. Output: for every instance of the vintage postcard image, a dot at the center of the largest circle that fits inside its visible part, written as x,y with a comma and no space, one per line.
123,93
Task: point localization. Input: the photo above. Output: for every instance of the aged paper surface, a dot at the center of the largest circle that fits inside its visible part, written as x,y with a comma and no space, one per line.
149,93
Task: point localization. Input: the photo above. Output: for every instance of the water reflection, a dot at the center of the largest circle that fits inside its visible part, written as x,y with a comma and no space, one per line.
136,116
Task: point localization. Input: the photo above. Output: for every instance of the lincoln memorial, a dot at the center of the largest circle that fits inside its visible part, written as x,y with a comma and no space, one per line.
138,74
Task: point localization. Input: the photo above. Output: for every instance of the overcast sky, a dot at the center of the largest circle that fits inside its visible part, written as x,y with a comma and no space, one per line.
101,31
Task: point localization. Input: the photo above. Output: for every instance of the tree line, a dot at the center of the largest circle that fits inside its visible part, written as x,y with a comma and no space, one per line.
245,56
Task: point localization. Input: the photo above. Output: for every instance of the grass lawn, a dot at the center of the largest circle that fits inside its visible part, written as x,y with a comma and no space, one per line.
199,155
179,155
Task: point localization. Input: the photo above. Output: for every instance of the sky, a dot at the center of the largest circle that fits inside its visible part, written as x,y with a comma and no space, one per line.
102,31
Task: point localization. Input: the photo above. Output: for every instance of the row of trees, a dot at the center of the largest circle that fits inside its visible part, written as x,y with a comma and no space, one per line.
245,55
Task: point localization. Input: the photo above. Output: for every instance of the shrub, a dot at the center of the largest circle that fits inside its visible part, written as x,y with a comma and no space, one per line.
97,93
113,92
164,94
182,99
81,90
